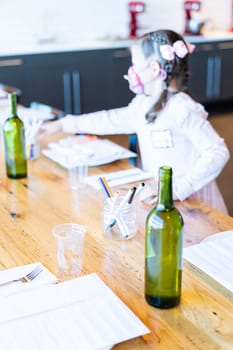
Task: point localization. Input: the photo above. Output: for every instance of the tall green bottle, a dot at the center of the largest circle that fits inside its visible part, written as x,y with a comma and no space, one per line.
14,142
163,247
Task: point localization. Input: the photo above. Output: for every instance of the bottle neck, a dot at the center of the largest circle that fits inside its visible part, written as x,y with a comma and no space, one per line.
13,104
165,199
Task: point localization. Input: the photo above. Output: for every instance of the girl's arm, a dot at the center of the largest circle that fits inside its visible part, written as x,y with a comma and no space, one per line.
213,153
115,121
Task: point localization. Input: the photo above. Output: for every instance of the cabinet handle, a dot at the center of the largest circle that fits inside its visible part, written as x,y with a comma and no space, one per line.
11,63
210,77
121,53
217,76
67,92
225,46
204,47
76,93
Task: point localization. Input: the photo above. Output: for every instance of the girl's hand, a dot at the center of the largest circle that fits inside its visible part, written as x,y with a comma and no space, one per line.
149,195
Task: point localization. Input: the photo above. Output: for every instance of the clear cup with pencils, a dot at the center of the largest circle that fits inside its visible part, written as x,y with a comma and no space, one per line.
119,219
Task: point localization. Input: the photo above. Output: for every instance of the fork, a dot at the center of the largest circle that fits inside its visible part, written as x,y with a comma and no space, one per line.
26,278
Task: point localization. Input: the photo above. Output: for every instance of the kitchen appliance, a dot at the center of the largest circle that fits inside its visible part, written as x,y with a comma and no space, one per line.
192,25
135,8
231,29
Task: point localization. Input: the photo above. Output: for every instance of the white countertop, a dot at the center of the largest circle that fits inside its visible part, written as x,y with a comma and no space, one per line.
27,48
35,48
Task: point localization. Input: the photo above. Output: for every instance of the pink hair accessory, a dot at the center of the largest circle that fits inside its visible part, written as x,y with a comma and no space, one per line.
167,52
179,48
163,74
190,47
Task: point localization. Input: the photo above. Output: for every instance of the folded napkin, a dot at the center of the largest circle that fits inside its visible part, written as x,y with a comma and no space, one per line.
119,177
44,277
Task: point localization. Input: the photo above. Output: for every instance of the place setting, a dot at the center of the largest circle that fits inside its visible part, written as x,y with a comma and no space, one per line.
32,298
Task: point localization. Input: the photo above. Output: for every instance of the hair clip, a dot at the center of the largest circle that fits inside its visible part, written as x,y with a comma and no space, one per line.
178,48
191,47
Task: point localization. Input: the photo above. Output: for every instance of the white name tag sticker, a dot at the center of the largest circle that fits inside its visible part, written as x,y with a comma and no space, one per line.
161,139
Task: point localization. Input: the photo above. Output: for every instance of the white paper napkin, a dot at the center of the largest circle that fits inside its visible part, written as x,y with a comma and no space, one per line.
78,314
44,277
98,152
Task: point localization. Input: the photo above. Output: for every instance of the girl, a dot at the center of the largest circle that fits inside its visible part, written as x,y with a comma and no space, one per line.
171,127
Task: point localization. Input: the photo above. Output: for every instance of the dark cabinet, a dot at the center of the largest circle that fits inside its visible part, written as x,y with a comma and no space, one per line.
120,93
45,80
73,82
210,68
102,85
225,70
200,82
76,82
90,80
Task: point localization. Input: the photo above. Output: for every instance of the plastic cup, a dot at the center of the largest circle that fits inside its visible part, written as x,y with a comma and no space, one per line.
70,241
77,169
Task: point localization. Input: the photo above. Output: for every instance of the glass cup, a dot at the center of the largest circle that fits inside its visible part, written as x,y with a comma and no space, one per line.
77,169
119,222
70,241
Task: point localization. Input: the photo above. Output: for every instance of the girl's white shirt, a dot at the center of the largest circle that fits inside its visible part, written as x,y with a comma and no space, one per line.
180,137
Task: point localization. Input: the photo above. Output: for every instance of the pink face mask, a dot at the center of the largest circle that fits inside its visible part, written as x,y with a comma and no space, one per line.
136,84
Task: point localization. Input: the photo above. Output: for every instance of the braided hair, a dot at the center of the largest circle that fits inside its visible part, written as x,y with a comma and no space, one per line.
176,68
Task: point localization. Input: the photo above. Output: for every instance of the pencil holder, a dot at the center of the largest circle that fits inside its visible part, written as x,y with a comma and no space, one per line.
32,150
119,222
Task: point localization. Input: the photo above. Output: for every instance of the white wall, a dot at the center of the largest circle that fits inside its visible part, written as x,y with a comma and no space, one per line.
24,21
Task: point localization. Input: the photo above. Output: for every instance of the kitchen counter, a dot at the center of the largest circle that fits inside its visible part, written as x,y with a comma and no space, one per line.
35,48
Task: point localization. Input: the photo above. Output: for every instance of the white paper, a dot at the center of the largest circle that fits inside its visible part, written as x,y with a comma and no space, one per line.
214,256
78,314
98,152
44,277
119,177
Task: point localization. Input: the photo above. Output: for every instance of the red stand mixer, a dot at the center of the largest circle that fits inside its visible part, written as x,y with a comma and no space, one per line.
231,29
192,26
135,7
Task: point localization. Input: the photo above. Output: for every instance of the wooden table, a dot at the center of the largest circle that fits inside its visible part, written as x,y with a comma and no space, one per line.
31,207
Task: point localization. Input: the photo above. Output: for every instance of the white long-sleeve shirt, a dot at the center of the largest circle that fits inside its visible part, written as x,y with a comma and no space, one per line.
180,137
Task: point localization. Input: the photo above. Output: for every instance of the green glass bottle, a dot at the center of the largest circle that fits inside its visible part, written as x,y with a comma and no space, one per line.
14,142
163,247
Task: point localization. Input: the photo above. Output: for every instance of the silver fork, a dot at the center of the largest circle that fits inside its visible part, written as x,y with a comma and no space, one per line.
26,278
